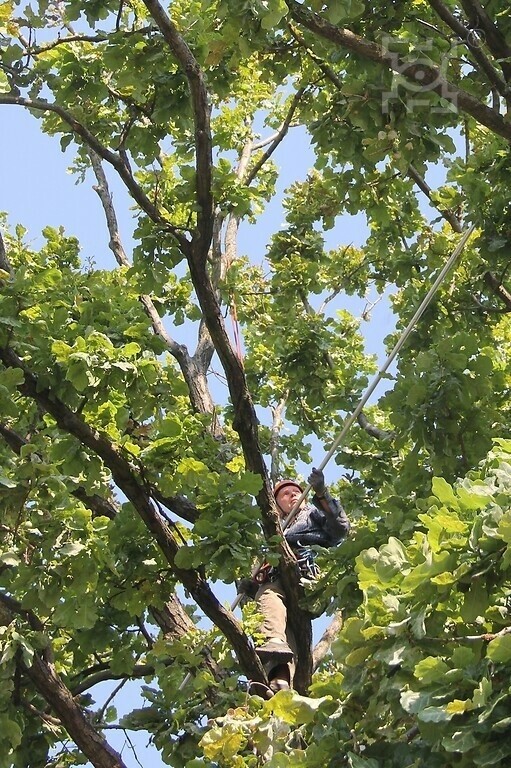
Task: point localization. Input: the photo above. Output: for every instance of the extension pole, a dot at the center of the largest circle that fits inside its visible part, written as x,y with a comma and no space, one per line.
356,413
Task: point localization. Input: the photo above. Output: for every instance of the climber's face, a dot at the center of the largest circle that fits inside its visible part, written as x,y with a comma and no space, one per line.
286,499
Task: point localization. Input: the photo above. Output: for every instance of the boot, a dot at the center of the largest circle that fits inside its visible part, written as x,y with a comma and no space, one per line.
275,650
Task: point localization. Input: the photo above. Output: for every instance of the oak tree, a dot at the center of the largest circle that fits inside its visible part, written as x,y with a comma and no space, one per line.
130,488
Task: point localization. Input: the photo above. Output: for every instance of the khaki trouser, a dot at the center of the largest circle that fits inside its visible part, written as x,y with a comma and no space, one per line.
270,598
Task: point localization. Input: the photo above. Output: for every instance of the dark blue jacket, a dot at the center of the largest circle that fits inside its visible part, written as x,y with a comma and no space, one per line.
312,525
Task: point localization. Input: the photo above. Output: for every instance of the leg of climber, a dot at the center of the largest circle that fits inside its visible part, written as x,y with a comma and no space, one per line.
270,599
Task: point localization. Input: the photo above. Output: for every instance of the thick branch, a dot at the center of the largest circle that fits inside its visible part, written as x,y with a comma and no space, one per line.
13,440
127,481
61,700
174,622
419,73
499,290
201,110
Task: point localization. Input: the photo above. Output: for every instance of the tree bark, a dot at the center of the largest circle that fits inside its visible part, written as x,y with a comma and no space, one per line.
84,734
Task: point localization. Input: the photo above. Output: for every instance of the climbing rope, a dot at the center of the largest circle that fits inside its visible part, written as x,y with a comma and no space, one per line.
236,329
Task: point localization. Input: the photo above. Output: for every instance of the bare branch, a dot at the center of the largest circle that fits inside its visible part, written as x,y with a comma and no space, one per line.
116,160
486,636
103,192
35,50
193,369
138,671
279,137
323,645
449,216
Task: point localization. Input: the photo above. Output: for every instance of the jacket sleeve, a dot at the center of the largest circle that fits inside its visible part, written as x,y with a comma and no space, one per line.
335,523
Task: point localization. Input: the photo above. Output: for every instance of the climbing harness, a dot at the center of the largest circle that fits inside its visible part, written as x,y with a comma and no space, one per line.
306,561
306,565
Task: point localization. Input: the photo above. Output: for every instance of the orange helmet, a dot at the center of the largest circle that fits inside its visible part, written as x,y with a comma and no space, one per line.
283,484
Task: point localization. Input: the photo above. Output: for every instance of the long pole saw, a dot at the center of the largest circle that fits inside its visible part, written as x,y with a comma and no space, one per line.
388,362
356,413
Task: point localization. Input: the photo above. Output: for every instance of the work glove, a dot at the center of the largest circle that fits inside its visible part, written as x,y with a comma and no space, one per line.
316,480
247,587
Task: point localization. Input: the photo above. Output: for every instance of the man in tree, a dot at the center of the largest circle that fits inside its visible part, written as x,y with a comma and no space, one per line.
323,523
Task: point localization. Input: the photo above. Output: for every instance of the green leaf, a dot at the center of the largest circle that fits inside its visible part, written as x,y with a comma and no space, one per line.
5,87
430,670
392,560
10,378
460,741
493,754
222,743
71,549
247,484
294,709
10,558
357,761
339,10
61,350
11,732
77,614
185,557
444,492
414,701
434,715
499,649
7,482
